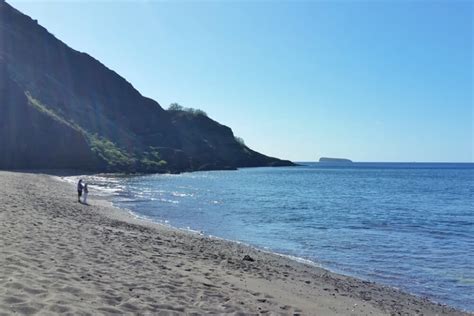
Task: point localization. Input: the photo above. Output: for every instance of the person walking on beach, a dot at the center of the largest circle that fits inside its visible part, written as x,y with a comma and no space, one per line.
86,192
79,190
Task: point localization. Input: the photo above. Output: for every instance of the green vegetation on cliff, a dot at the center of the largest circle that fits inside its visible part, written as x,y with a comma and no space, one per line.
113,157
179,108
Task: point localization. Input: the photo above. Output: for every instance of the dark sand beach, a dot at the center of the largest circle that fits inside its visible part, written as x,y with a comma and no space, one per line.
62,257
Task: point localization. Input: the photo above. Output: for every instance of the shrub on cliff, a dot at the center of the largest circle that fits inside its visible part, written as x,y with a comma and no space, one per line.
151,161
114,157
239,140
176,107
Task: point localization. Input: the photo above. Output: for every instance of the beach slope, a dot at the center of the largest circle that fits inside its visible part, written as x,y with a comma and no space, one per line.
59,256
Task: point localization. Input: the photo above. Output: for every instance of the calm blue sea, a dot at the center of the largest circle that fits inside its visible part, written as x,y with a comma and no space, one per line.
406,225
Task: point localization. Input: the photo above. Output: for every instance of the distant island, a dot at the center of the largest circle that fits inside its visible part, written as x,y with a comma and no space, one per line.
335,160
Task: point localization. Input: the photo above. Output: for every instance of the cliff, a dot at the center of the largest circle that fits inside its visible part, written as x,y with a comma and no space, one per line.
60,108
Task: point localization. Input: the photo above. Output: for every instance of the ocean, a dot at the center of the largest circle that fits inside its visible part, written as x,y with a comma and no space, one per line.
407,225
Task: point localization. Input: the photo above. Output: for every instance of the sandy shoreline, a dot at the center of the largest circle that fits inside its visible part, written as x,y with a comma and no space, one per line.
59,256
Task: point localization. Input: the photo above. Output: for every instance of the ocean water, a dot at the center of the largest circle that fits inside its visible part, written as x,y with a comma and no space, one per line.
406,225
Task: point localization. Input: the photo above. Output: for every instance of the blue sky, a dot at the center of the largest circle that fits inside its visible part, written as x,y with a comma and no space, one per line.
370,81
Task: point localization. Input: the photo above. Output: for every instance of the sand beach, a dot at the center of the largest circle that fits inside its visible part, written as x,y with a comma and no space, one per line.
62,257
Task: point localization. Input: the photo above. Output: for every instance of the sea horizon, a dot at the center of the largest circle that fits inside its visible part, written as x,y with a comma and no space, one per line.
391,162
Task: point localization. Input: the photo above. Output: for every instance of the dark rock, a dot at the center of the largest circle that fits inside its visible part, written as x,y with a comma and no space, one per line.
248,258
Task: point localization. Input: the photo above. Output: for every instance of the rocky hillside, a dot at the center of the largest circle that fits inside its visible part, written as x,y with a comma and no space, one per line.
60,108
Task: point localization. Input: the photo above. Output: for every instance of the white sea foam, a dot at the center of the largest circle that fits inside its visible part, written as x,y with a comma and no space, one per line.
169,201
181,194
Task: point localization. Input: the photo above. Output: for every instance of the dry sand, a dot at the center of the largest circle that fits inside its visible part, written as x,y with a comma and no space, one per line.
62,257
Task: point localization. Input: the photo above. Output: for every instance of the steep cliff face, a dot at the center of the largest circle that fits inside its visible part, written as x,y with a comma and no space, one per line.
63,109
30,137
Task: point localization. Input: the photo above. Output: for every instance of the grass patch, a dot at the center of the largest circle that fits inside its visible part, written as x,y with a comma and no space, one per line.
45,110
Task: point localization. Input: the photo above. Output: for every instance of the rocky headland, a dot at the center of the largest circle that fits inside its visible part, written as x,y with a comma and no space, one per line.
61,108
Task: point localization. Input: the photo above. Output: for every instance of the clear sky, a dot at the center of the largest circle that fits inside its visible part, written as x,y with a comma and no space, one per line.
369,81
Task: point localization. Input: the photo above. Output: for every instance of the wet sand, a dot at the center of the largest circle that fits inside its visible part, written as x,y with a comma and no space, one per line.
59,257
